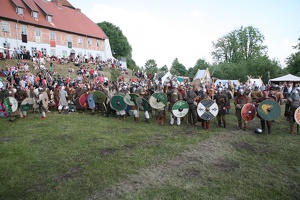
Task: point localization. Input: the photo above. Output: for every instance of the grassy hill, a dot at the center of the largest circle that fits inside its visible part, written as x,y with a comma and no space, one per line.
62,69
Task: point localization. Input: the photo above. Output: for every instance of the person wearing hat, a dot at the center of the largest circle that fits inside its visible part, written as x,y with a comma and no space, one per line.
292,103
222,102
173,95
63,103
191,98
263,122
239,101
20,95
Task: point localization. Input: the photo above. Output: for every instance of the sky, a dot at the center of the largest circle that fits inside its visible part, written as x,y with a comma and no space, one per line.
167,29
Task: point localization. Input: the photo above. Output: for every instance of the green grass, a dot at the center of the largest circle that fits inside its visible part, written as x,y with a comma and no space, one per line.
84,156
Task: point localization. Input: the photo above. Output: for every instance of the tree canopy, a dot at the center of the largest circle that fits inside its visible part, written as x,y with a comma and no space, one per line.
151,66
239,45
119,44
293,61
178,68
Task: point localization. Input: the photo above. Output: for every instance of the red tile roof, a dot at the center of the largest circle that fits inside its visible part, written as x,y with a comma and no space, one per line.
64,18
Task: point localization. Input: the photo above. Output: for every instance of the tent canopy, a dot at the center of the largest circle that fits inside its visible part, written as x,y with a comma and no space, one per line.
286,78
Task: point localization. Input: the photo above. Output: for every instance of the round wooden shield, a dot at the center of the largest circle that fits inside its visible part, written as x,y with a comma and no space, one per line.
83,100
269,110
248,112
207,109
1,84
143,104
180,109
297,115
11,104
158,100
45,100
27,104
99,97
91,101
3,111
117,103
129,99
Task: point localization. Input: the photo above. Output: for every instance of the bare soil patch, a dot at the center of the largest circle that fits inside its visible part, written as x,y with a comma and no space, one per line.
107,152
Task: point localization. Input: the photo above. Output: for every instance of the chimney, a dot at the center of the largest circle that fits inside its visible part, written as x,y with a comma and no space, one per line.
57,2
78,9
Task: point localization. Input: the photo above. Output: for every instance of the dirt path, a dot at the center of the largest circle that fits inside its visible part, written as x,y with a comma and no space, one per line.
207,153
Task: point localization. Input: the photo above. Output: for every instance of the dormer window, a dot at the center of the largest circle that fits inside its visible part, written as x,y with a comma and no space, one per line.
34,14
20,11
49,18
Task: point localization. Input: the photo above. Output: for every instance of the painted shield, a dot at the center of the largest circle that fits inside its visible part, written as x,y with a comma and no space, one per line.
269,110
129,99
143,104
248,112
158,100
27,104
3,111
99,97
117,103
297,115
45,100
207,109
83,100
180,109
1,84
11,104
91,101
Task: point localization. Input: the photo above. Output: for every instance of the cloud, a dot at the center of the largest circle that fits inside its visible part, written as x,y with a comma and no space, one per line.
197,13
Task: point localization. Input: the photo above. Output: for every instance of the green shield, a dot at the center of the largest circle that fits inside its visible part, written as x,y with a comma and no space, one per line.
27,104
158,100
143,104
99,97
180,109
269,110
117,103
129,99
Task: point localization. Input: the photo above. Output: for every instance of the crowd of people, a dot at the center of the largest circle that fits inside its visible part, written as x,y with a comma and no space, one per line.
64,92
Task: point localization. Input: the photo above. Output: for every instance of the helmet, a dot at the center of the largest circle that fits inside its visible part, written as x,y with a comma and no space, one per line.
295,95
258,130
241,91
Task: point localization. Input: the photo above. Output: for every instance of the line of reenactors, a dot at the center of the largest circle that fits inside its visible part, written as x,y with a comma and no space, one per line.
194,104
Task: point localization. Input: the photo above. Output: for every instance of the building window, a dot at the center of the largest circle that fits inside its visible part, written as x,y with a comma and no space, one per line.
89,42
98,43
70,39
52,35
44,51
52,52
49,18
23,30
20,11
38,32
79,40
34,14
23,48
64,54
5,26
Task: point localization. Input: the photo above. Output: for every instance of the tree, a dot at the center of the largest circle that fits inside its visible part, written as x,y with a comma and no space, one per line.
119,44
178,68
151,66
293,61
239,45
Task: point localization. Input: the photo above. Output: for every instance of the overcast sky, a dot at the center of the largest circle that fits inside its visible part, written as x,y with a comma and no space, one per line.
164,30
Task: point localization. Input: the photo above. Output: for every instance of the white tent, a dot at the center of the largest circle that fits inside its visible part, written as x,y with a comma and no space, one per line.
203,75
286,78
163,79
